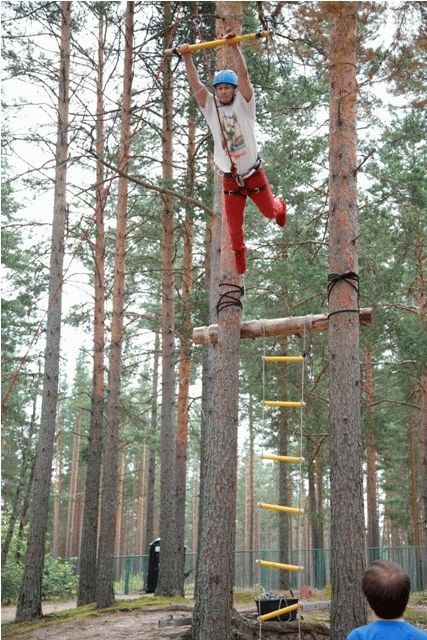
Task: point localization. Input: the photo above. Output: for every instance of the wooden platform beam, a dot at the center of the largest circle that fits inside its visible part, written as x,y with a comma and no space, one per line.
276,327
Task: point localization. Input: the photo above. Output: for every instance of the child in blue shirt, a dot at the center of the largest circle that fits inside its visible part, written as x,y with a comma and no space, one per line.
386,587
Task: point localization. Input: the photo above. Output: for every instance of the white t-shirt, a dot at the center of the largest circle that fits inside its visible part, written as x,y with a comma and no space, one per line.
238,125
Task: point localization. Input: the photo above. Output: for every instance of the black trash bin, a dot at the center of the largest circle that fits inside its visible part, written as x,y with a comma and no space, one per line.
271,602
153,566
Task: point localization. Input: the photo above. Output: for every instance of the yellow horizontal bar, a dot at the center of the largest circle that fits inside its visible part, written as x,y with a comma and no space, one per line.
279,612
280,565
283,358
211,44
279,507
273,456
283,403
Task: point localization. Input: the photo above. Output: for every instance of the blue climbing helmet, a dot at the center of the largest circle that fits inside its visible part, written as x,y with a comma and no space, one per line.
225,76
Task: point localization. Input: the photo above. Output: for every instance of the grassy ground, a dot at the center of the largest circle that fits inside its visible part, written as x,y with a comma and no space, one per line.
416,612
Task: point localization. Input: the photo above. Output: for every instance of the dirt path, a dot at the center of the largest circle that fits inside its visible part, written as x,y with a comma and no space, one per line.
126,625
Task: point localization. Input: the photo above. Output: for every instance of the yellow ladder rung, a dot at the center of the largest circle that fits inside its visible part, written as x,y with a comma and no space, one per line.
278,507
273,456
280,565
279,612
283,403
283,358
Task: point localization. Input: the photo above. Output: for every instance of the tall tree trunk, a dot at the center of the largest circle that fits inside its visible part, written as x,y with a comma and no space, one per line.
195,511
29,603
185,354
373,527
348,609
119,542
209,355
72,494
151,470
215,573
320,542
56,535
170,582
250,495
422,315
88,550
105,566
141,500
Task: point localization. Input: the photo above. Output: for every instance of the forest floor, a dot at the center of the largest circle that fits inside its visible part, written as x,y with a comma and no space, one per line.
131,620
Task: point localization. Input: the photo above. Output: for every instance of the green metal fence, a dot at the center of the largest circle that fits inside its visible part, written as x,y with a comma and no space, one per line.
131,571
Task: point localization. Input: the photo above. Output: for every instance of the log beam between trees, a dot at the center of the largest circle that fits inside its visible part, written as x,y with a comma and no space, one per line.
275,327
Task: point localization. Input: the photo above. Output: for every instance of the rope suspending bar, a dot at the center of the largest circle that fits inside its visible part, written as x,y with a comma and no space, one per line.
230,298
351,278
212,44
280,565
279,507
273,456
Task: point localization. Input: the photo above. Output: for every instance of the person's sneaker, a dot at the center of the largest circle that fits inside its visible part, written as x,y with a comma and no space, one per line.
240,260
281,216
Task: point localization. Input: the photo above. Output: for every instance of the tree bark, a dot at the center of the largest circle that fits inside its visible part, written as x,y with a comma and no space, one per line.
56,534
29,603
170,582
72,493
105,566
118,537
88,550
373,527
348,609
422,315
151,469
185,355
250,496
215,572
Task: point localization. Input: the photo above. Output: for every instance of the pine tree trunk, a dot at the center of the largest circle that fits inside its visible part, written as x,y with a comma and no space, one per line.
29,603
209,355
250,496
185,355
151,470
215,572
320,563
373,527
195,512
105,566
169,582
88,550
422,315
57,497
347,519
118,537
141,500
72,494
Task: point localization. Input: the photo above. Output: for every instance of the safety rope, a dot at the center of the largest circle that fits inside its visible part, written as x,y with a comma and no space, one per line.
229,298
351,278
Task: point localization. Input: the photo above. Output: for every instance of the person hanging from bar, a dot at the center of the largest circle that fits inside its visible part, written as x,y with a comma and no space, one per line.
230,114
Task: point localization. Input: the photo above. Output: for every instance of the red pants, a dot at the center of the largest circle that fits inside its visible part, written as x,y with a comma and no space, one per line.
235,203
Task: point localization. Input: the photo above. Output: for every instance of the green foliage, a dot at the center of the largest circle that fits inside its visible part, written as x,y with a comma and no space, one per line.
59,579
